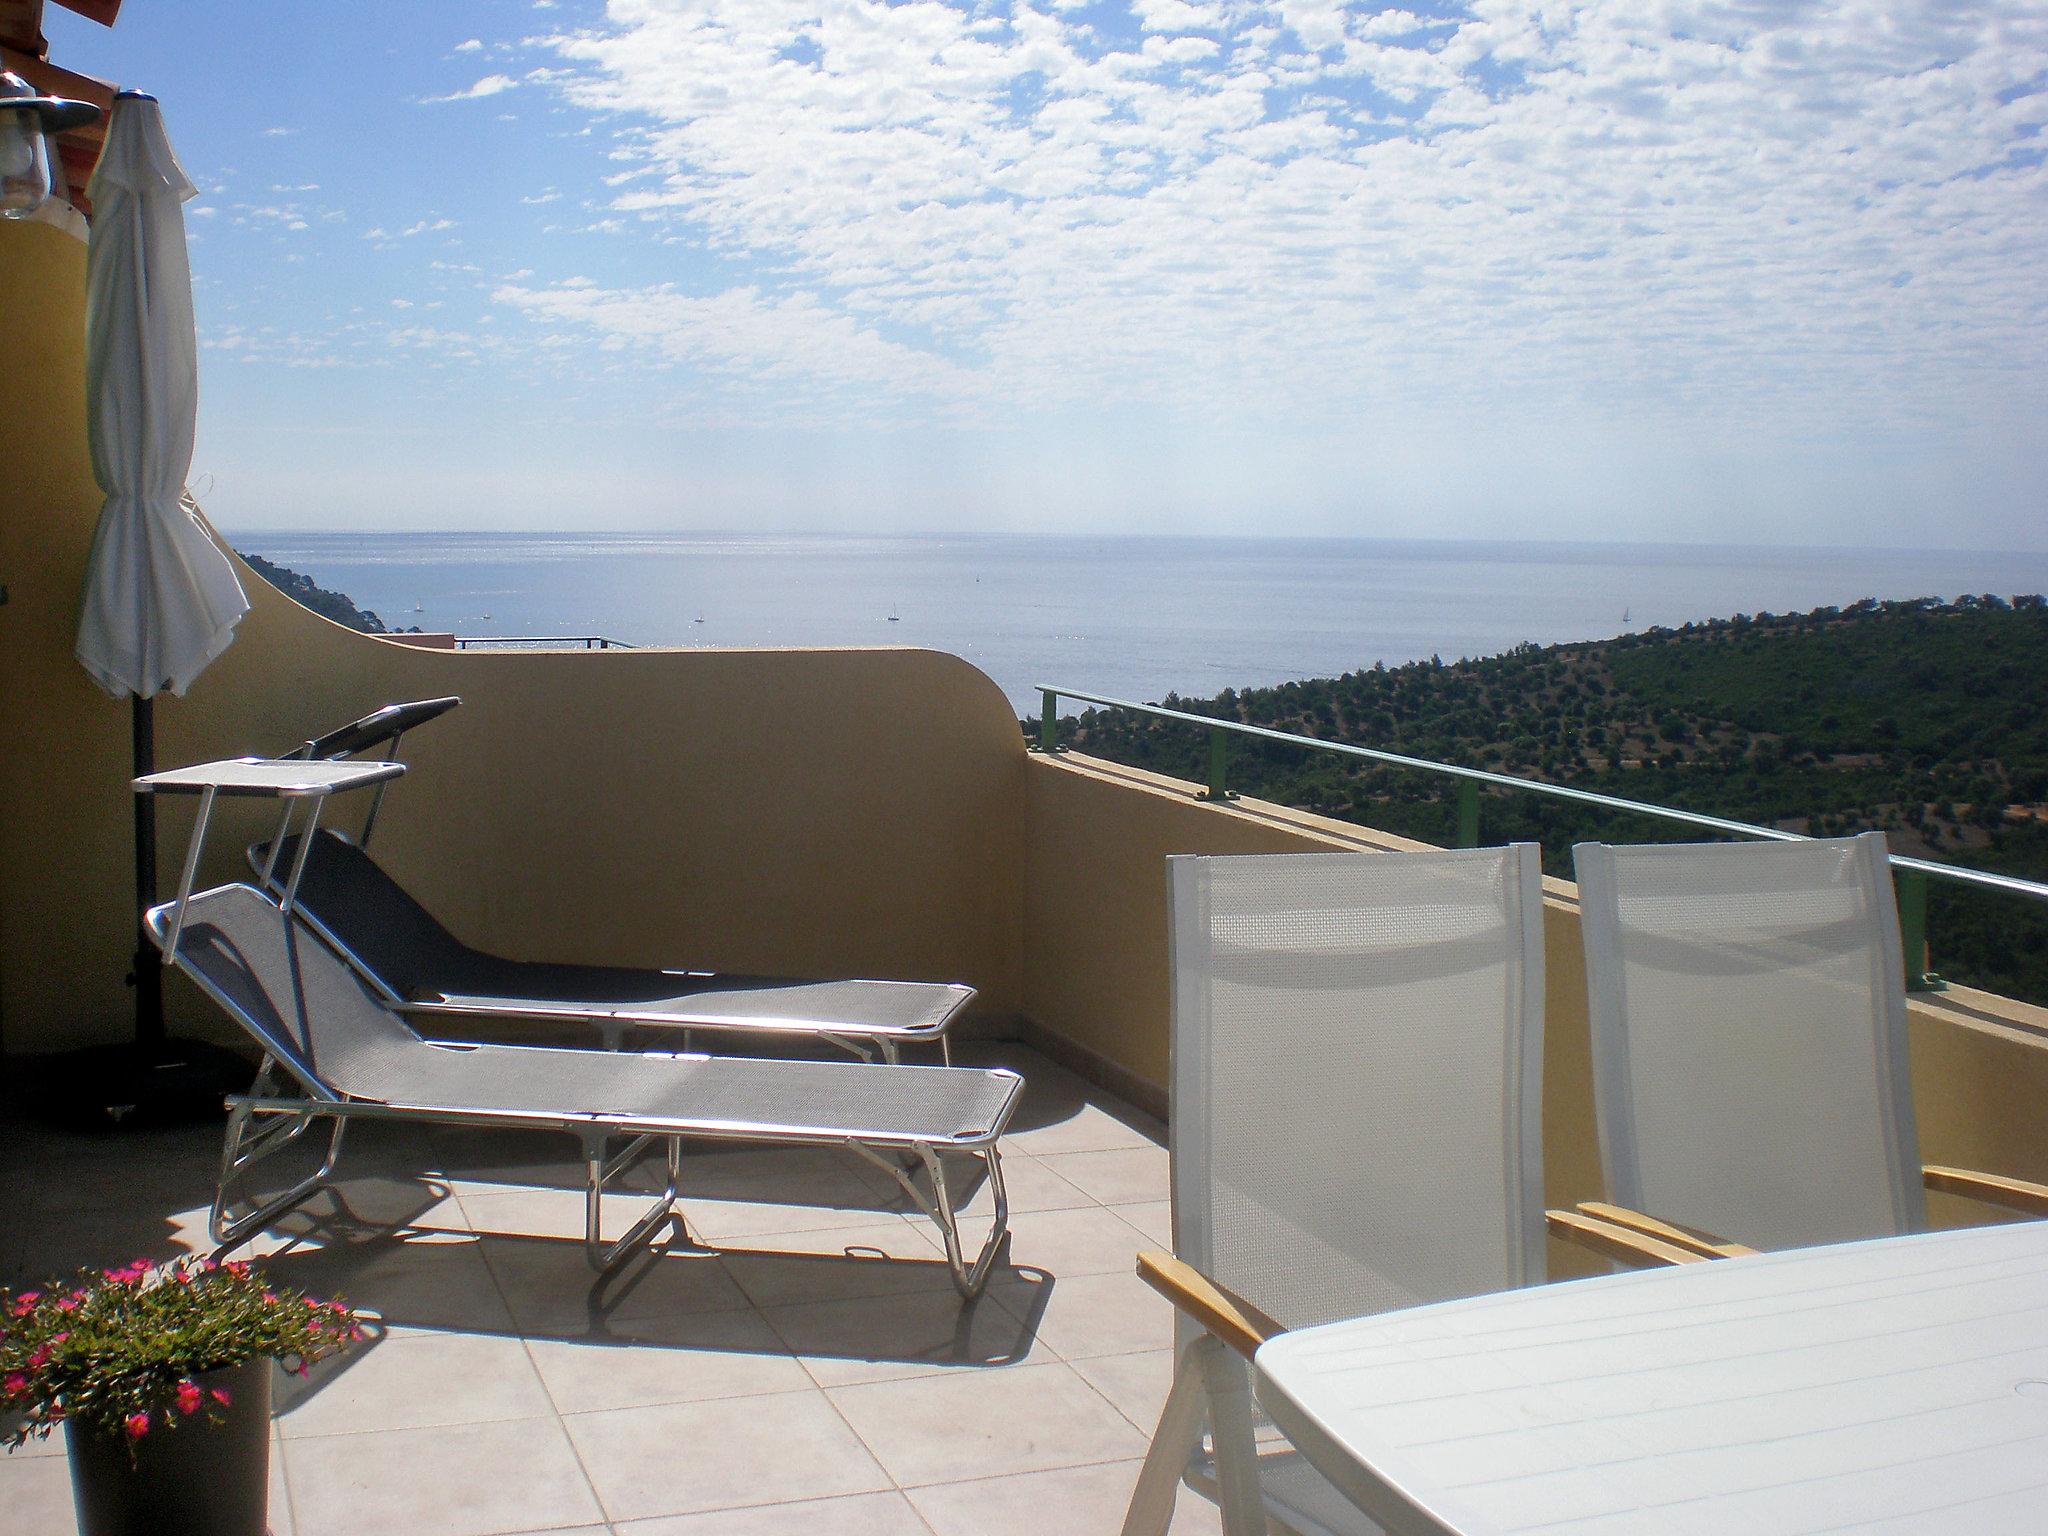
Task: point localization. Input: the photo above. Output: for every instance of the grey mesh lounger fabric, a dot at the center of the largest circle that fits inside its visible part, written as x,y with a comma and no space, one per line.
418,965
351,1056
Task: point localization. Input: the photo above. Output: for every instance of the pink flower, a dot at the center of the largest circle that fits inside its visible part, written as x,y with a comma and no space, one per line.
14,1386
137,1425
189,1397
39,1357
219,1395
25,1303
67,1304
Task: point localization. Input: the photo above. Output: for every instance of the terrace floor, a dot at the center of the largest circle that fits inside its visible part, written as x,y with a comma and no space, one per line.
774,1374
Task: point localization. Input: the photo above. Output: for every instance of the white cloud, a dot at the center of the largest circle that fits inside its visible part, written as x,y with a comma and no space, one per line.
470,45
1303,211
746,340
490,85
425,226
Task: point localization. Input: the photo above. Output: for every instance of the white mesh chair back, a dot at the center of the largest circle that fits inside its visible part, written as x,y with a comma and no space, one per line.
1357,1074
1749,1038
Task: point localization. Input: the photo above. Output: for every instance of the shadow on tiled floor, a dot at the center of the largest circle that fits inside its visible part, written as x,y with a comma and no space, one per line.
797,1362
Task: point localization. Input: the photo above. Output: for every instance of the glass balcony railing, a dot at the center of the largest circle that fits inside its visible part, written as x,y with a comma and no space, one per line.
1912,874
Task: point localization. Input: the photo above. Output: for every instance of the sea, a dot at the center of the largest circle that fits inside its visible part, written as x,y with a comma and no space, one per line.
1126,618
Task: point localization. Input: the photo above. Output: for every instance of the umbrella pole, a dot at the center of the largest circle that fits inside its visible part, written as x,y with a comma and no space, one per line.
149,971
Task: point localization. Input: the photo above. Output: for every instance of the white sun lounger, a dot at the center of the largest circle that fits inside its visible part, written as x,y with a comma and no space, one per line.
332,1050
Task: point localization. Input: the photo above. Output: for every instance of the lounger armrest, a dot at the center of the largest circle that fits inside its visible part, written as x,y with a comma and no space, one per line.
1217,1308
1694,1239
1613,1242
1992,1188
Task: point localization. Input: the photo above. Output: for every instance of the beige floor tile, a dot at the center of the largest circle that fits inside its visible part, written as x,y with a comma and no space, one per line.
730,1171
413,1282
841,1200
1125,1176
706,1355
553,1293
1089,1240
1089,1315
883,1258
1077,1499
1074,1124
413,1380
1136,1385
1154,1218
1032,1185
888,1338
937,1429
682,1458
555,1213
464,1480
35,1494
282,1520
861,1514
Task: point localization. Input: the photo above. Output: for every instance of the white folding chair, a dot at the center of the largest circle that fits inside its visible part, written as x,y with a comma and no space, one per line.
1748,1016
1356,1104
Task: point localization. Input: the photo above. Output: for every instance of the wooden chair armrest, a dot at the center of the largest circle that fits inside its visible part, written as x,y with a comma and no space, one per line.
1612,1242
1993,1188
1700,1242
1224,1313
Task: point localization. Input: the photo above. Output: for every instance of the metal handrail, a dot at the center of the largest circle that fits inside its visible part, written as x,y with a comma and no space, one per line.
1912,873
587,642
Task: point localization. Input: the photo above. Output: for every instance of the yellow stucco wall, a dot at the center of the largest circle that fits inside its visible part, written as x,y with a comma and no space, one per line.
841,812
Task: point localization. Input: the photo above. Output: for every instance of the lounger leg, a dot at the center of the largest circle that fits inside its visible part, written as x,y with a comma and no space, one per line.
968,1279
1173,1445
601,1170
243,1148
857,1047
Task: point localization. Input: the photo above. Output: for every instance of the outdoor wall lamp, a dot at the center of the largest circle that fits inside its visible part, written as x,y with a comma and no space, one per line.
26,122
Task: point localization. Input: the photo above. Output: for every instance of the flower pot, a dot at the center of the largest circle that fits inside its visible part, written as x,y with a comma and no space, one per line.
199,1477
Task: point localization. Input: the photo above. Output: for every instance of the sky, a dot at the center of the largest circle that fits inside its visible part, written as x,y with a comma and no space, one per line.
1676,270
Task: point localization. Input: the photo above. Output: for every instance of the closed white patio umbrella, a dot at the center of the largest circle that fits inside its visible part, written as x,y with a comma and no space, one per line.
161,599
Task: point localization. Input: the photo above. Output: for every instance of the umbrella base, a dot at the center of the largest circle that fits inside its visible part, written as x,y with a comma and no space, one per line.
108,1086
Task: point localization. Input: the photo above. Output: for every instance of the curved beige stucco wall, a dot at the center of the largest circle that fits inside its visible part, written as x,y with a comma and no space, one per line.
841,812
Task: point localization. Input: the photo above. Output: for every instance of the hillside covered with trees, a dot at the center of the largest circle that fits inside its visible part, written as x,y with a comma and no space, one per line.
1924,719
330,605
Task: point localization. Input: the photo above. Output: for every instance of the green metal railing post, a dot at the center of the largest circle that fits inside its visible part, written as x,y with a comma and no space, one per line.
1913,932
1219,760
1468,813
1049,722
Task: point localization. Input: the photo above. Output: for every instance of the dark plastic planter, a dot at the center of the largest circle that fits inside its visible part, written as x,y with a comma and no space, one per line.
195,1478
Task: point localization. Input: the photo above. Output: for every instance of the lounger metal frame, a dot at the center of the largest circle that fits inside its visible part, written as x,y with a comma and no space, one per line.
267,1119
261,1123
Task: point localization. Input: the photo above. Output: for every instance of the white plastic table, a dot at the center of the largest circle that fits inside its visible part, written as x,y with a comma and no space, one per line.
289,780
1895,1386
